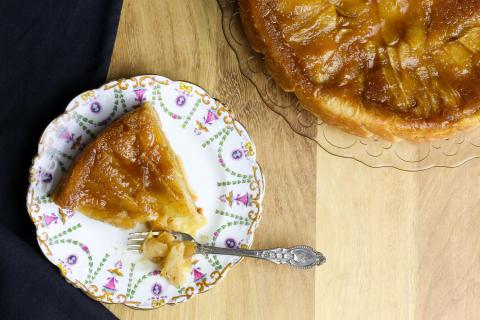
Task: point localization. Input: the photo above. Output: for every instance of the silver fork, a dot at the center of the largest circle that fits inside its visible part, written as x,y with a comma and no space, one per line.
303,257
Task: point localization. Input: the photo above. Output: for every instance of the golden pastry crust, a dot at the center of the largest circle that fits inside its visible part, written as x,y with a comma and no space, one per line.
396,70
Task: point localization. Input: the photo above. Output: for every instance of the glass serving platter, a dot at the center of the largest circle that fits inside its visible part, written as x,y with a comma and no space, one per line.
373,152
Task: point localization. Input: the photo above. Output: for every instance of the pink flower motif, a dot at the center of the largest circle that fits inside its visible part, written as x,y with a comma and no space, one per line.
84,248
139,94
110,285
215,234
155,272
66,135
210,118
197,275
245,199
174,116
49,219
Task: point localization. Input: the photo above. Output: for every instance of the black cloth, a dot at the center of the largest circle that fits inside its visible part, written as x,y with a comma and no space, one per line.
50,51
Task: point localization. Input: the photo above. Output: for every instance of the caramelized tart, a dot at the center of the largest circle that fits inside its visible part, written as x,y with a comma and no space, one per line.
174,257
129,174
398,69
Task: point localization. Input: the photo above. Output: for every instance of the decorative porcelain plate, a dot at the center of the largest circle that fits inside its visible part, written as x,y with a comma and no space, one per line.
219,160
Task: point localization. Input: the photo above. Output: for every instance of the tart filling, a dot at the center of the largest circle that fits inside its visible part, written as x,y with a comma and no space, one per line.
174,257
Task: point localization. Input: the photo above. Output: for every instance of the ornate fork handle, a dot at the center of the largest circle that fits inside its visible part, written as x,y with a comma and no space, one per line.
302,257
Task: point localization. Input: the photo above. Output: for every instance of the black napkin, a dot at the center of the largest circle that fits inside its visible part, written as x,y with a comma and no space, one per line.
50,51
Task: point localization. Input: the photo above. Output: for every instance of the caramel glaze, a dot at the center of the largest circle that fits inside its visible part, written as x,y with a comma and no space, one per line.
404,65
129,174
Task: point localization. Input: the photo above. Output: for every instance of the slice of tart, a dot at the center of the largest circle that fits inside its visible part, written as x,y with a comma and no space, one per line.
130,174
174,257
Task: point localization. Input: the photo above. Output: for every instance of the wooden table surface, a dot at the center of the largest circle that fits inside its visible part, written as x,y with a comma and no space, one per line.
399,245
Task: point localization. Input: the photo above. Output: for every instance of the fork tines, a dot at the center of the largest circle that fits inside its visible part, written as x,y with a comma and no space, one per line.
143,234
134,247
135,240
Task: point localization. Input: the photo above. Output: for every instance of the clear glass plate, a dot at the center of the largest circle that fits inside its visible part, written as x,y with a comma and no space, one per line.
373,152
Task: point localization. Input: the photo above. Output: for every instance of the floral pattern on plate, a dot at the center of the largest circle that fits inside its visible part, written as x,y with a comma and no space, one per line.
220,164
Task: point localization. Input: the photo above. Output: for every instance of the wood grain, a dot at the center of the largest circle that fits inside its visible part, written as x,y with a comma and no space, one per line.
183,39
400,245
